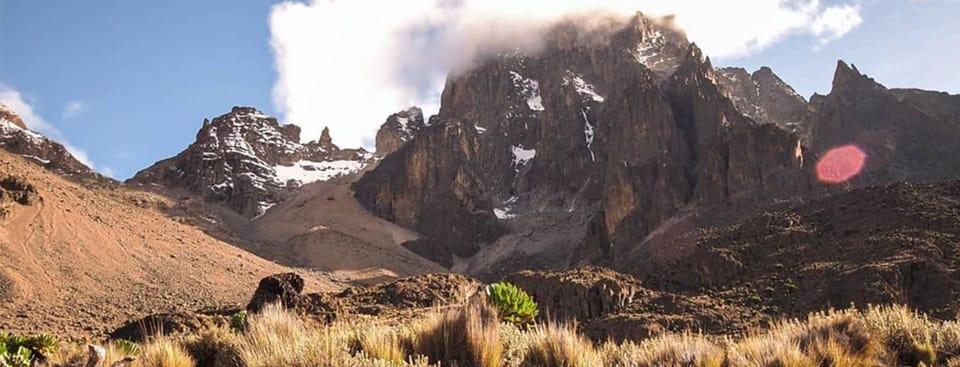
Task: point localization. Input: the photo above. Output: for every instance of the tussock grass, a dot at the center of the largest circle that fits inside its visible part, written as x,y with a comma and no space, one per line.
556,345
467,337
383,343
667,350
472,336
164,352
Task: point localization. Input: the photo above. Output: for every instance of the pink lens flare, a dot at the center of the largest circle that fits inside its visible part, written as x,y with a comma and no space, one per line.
841,164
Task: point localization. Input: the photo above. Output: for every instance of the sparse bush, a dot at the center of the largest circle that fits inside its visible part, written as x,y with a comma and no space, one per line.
513,304
469,337
214,347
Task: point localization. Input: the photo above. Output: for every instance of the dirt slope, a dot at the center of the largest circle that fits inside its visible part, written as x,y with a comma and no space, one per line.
323,227
81,260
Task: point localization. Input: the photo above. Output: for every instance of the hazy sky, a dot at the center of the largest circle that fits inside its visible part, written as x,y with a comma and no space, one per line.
127,83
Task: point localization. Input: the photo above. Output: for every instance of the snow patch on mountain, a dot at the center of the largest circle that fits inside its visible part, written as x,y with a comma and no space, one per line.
521,155
588,134
529,89
8,129
304,172
582,87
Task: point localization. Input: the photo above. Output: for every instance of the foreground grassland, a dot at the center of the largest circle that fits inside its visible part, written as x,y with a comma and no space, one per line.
474,336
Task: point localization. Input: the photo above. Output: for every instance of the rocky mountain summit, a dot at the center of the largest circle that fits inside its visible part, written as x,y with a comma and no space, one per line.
575,153
16,138
399,129
250,162
579,153
763,96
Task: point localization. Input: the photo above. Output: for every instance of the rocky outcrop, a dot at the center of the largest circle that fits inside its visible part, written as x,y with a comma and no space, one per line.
16,191
939,105
901,142
623,126
16,138
283,289
763,96
582,294
251,162
398,129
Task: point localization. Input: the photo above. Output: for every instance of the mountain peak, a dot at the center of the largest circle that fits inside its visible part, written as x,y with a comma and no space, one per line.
848,77
8,114
399,128
249,161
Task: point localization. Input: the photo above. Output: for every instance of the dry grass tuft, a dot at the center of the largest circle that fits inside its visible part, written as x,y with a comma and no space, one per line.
469,337
667,350
164,352
276,337
555,345
384,343
472,336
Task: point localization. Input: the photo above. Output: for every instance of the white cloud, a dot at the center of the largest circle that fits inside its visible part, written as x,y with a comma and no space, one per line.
107,171
73,109
348,64
14,100
835,22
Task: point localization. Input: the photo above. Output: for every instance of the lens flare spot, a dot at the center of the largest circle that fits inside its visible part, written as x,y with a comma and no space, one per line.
841,164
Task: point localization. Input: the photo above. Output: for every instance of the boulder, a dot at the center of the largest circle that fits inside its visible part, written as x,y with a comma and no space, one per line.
279,288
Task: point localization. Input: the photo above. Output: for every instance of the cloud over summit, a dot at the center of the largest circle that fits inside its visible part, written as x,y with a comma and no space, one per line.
348,64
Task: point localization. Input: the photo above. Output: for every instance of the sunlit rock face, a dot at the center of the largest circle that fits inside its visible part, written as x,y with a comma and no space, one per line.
763,96
250,162
574,154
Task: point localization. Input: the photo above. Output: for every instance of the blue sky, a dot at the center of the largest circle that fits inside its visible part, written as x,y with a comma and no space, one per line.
129,82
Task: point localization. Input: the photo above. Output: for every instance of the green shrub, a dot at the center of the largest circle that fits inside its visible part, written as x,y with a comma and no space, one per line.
238,321
513,304
127,347
20,357
18,350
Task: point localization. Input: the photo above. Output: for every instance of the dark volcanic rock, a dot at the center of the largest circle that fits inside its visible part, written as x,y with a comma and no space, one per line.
250,162
398,129
763,96
625,125
17,139
939,105
582,294
901,141
280,288
16,191
881,245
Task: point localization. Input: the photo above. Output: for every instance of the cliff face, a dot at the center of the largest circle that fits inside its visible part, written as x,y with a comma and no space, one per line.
588,145
250,162
763,96
399,128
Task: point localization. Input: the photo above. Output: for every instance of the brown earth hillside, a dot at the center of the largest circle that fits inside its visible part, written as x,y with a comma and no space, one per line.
324,227
80,260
